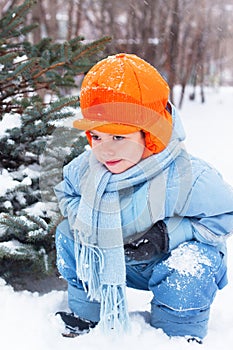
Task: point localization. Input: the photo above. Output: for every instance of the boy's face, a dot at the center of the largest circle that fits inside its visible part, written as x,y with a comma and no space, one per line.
118,152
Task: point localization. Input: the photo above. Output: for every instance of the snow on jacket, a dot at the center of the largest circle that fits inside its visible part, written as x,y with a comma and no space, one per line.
193,199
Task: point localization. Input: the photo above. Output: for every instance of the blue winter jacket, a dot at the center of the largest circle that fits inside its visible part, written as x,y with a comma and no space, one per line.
195,202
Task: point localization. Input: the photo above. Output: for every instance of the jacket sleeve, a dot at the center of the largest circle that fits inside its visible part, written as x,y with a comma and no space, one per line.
210,207
199,205
67,193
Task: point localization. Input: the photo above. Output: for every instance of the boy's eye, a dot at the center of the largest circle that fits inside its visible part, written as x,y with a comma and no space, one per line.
118,138
114,137
95,137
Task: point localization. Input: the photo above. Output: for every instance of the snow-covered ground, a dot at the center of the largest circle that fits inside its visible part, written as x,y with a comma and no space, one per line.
27,320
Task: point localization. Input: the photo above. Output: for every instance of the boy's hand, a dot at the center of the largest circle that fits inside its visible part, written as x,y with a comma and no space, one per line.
154,241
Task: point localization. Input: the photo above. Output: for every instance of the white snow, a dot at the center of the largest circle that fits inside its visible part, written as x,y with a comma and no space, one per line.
7,182
9,121
27,319
13,247
193,261
19,59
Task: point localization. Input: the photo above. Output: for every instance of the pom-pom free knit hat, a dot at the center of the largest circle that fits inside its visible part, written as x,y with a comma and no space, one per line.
123,94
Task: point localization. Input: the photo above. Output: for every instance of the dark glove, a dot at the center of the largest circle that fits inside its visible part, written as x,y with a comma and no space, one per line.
154,241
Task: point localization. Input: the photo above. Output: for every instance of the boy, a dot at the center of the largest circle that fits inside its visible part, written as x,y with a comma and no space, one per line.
139,210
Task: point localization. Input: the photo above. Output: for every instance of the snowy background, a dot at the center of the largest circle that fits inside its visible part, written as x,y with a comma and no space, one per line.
27,319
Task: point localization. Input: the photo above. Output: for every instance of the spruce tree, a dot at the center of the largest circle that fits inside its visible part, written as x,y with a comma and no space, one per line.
32,148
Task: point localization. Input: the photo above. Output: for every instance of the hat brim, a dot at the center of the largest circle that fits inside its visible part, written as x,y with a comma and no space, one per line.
158,124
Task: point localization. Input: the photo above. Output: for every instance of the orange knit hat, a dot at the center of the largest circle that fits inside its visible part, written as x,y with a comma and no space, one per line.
123,94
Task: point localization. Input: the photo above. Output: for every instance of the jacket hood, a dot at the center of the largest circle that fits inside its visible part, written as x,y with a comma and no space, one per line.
177,129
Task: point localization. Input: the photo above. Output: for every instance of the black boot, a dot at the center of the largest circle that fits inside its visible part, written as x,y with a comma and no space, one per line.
75,325
194,340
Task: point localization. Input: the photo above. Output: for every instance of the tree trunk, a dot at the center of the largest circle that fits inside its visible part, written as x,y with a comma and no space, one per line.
37,17
173,48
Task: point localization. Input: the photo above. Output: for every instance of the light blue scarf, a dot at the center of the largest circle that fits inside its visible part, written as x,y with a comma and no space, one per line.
99,246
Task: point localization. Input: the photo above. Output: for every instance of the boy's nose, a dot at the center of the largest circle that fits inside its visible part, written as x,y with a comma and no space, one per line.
108,148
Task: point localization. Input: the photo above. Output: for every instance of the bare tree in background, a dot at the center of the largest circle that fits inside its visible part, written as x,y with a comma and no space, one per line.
141,15
5,5
189,42
75,15
192,49
172,44
38,17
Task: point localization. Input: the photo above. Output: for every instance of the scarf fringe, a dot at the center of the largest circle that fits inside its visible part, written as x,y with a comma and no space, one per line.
112,298
89,262
113,311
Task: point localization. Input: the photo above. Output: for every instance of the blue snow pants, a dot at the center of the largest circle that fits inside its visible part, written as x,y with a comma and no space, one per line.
183,284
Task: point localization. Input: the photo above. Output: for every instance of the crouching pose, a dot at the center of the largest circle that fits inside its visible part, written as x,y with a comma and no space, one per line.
139,211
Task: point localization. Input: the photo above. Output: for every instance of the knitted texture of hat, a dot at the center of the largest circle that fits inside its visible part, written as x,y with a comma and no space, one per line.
128,80
124,78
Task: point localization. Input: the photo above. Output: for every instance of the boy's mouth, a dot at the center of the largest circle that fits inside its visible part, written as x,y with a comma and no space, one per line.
112,162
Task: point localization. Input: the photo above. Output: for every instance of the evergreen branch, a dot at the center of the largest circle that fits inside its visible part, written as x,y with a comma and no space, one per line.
86,49
66,51
23,68
45,70
37,220
57,106
21,92
27,29
73,42
11,108
17,254
13,222
53,225
26,69
90,48
9,56
15,18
